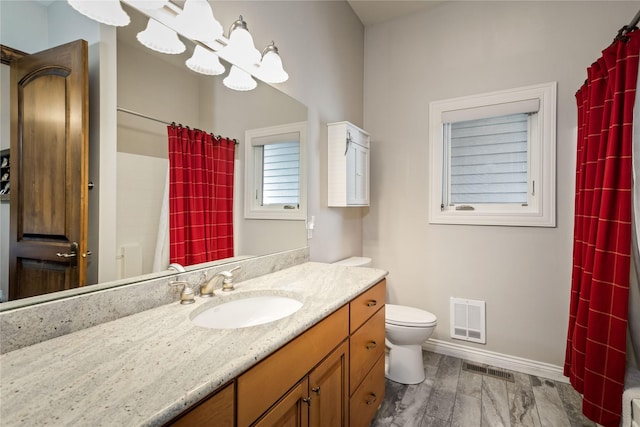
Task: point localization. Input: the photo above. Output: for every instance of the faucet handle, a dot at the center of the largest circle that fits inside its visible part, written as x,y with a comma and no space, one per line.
187,296
227,283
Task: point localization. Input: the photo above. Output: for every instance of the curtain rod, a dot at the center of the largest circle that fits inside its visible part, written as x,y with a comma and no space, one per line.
144,116
634,21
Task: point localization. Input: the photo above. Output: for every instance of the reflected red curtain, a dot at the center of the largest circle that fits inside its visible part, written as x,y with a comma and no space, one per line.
596,342
200,196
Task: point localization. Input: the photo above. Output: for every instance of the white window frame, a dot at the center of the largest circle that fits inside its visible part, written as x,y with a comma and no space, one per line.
253,172
540,209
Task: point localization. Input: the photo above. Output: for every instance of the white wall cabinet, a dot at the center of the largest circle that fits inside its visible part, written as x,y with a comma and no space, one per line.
348,165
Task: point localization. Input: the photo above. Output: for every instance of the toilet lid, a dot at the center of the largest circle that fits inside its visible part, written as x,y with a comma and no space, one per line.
408,316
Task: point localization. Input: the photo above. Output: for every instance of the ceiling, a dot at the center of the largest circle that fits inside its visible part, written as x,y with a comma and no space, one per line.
373,12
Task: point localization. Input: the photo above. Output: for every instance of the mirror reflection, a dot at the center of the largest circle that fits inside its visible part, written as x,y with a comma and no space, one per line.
161,87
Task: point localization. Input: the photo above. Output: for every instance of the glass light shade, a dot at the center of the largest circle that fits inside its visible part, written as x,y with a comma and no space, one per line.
271,70
196,21
160,38
239,79
149,4
204,61
241,48
104,11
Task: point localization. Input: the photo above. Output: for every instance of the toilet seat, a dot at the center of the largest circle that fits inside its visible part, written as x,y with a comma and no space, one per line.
400,315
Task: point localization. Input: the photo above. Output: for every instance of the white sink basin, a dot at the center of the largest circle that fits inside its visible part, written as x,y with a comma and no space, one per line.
245,312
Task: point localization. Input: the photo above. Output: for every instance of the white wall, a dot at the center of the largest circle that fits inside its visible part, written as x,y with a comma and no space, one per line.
463,48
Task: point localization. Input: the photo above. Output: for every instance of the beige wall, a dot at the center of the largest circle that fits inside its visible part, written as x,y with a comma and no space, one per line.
463,48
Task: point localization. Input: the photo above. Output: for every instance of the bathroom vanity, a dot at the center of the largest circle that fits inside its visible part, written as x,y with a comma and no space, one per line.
322,365
332,373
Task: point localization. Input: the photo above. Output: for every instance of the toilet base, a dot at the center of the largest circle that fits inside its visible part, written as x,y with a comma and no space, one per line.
405,365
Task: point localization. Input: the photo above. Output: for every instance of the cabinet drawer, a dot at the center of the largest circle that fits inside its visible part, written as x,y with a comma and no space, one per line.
261,386
368,396
363,306
365,347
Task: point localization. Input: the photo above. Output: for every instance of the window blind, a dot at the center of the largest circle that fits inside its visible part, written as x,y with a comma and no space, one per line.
281,173
488,160
492,110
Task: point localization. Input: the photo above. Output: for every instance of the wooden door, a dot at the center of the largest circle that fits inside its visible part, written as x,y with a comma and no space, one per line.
291,411
49,170
329,387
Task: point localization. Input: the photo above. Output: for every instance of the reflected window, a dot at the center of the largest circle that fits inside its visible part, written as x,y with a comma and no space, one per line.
275,173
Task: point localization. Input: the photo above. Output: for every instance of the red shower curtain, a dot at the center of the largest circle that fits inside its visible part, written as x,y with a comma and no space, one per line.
596,341
200,196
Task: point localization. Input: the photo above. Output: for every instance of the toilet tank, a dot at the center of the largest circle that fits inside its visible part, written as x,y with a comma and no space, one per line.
355,261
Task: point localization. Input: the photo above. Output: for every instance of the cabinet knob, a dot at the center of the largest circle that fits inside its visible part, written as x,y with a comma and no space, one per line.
372,303
371,345
371,399
307,400
316,390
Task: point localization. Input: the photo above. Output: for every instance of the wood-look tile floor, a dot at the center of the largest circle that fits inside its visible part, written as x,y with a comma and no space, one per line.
452,397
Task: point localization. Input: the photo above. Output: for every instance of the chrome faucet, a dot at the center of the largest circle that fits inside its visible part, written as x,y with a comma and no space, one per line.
206,291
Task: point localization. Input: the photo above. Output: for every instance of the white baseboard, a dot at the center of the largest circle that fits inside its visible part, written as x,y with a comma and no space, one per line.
498,360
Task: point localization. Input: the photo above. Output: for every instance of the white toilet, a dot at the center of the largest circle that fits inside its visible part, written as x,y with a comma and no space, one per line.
406,328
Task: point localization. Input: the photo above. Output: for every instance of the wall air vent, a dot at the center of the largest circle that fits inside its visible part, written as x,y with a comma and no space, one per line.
468,320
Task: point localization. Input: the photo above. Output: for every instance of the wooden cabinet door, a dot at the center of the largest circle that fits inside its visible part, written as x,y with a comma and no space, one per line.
216,411
328,386
265,383
291,411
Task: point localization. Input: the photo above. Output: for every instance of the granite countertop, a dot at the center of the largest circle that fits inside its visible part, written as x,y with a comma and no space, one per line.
147,368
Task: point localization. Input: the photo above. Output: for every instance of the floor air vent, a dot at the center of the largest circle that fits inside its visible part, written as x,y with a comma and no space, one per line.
488,371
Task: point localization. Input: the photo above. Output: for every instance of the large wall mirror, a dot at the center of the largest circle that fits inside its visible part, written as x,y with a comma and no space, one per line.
161,87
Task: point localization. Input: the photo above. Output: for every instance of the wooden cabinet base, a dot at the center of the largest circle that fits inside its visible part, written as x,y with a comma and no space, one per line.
215,411
306,382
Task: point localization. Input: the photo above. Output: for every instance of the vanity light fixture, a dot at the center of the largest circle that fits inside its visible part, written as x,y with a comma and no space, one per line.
106,12
149,4
204,61
240,47
195,21
160,38
239,79
270,70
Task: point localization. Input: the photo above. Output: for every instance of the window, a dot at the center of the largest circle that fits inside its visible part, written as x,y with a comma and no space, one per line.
493,158
275,173
279,166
